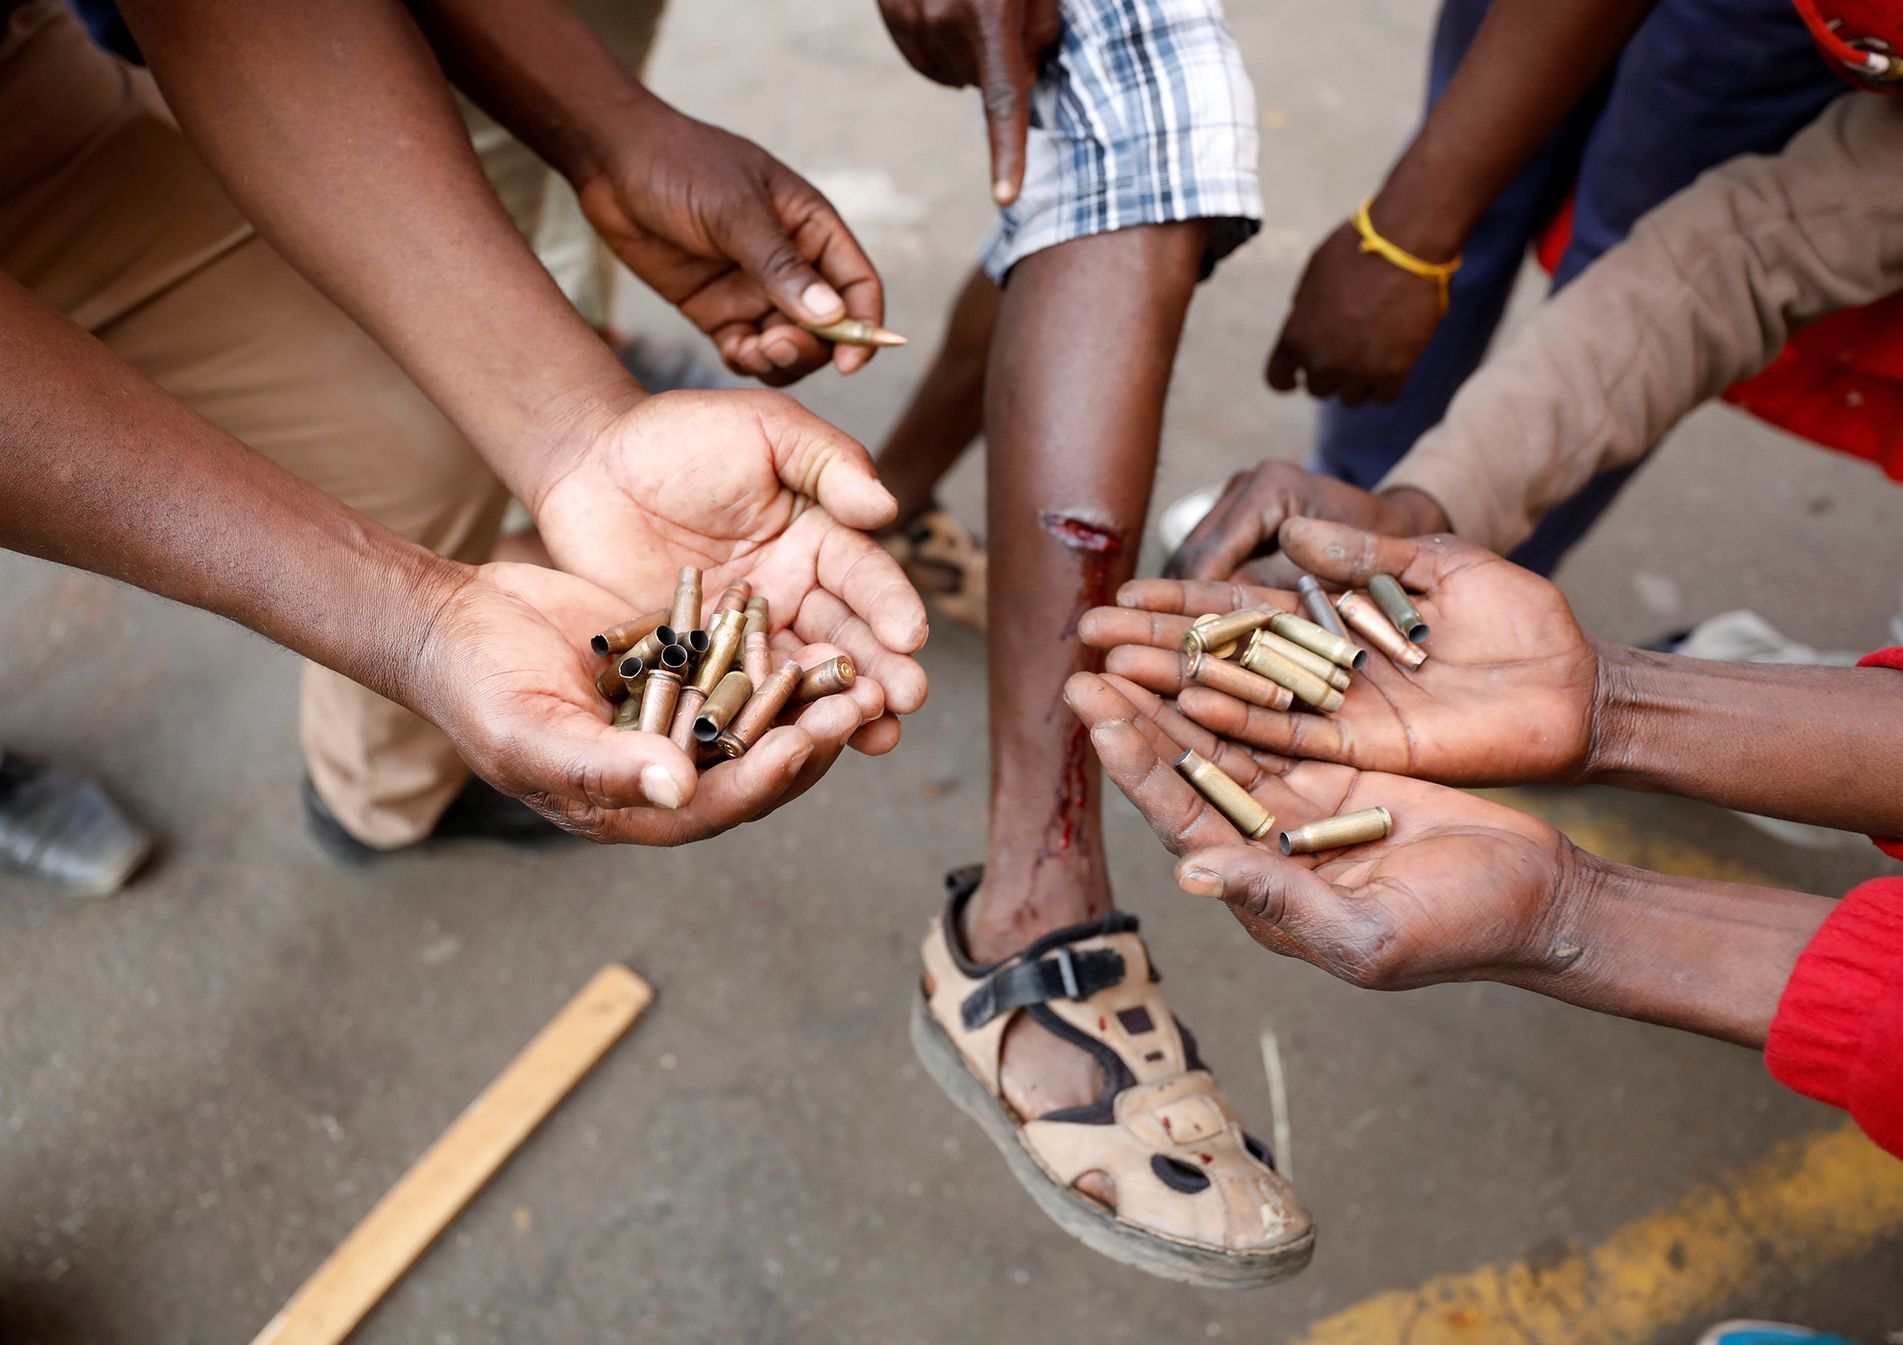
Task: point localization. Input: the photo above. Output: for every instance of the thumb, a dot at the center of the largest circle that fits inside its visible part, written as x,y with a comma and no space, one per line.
1005,76
1279,900
1346,555
824,463
765,250
576,764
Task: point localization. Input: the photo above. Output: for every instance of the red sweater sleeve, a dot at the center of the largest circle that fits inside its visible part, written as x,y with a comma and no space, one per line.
1886,658
1838,1033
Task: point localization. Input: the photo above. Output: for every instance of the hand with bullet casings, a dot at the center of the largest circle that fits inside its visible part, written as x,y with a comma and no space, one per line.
1507,698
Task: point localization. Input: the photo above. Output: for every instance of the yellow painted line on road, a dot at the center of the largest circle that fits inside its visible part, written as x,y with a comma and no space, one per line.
1811,1202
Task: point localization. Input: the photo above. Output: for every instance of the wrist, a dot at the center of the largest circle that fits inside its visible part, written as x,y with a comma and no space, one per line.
1627,698
1412,512
1422,211
572,422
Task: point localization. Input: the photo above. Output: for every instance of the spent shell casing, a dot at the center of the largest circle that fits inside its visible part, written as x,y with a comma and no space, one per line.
1206,669
1334,833
628,714
1309,689
756,657
1220,651
835,675
686,710
762,708
663,689
854,332
1214,630
685,613
648,648
733,599
1332,673
1319,609
722,706
757,615
632,668
723,646
1225,795
1337,649
608,681
674,658
620,639
697,642
1397,607
1372,625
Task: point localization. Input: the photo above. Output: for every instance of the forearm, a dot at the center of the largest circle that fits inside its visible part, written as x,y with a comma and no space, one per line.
101,470
334,129
1820,745
1529,65
1681,952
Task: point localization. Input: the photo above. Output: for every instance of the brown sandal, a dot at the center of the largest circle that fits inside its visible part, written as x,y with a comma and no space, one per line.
945,563
1197,1200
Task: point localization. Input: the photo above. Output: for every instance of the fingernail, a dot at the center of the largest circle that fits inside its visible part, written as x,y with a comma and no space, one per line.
821,301
1003,192
1200,883
799,758
782,353
657,782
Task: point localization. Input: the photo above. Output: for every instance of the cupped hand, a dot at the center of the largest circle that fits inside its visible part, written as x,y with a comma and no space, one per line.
1357,325
505,670
1507,695
740,243
1461,889
1237,537
997,45
745,485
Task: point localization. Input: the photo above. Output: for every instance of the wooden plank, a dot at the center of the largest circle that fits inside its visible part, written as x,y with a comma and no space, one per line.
328,1306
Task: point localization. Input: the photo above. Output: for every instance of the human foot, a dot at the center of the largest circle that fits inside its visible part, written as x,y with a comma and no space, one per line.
945,563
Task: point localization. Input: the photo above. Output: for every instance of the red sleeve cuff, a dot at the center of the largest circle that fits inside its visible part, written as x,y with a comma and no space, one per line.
1886,658
1838,1033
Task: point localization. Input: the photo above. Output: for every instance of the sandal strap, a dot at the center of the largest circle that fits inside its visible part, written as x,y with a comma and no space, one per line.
1064,975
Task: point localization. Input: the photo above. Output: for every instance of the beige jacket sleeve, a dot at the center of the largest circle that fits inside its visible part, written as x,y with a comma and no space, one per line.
1703,293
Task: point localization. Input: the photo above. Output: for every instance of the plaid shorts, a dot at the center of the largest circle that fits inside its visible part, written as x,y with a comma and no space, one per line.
1143,115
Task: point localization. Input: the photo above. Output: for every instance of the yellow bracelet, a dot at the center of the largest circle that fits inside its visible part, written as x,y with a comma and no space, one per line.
1438,272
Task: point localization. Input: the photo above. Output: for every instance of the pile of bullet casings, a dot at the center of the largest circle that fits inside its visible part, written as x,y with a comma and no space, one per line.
1277,660
713,691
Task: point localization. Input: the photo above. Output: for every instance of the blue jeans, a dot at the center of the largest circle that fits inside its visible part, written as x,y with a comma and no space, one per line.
1702,81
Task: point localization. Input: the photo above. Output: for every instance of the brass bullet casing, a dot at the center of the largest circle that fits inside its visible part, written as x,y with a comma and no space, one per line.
1335,833
1309,689
722,706
632,669
663,689
762,708
680,729
835,675
1397,607
620,639
685,614
734,599
628,715
672,657
723,643
1319,609
854,332
756,657
1216,630
1337,649
1332,673
757,616
648,648
1225,795
1368,622
698,642
608,681
1208,670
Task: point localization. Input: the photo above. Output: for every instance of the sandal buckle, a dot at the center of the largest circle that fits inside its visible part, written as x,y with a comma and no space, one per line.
1067,972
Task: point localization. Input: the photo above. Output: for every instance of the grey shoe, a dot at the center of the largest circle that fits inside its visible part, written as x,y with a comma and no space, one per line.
63,830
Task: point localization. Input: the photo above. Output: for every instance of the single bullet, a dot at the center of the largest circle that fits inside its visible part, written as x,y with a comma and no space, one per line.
723,644
755,657
722,706
685,614
854,332
1308,688
620,639
1319,609
628,715
1226,628
657,701
1397,607
829,678
1333,833
757,715
648,648
734,599
1332,673
1225,795
757,616
1337,649
686,710
1371,625
1233,680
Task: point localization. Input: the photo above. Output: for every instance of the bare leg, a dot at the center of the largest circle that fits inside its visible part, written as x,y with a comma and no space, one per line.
947,408
1086,336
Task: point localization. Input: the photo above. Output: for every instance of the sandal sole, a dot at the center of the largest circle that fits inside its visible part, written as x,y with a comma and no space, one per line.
1079,1216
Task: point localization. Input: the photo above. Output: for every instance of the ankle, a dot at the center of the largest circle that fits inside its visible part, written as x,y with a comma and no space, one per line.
1003,918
